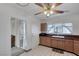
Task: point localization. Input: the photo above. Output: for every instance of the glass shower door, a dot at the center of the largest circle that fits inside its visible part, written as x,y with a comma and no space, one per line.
21,33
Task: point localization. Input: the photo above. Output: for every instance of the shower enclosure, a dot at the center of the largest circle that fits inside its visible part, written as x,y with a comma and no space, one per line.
18,29
21,33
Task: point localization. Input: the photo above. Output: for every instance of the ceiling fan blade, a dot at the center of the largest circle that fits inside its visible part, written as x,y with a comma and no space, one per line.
39,4
46,4
57,4
23,4
38,13
49,5
58,11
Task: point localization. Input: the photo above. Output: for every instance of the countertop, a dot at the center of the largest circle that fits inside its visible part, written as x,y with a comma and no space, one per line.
66,35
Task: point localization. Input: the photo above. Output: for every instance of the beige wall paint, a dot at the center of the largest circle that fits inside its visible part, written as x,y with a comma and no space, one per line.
73,18
6,12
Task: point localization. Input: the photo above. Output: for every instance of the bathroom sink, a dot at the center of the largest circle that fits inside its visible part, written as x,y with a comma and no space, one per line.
58,36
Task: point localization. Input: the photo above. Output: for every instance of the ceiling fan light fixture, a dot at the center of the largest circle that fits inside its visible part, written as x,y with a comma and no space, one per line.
49,9
48,14
23,4
53,6
45,12
45,8
51,12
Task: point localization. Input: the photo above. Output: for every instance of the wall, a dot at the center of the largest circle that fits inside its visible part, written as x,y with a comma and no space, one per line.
33,30
4,34
73,18
6,12
13,26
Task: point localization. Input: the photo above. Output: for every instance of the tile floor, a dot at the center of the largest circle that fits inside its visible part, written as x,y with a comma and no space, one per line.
15,51
44,51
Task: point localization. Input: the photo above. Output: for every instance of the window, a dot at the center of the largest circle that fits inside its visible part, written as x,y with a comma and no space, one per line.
65,28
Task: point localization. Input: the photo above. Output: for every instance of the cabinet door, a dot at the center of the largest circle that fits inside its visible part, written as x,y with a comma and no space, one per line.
54,42
68,45
43,27
45,41
48,41
76,46
57,43
42,40
60,43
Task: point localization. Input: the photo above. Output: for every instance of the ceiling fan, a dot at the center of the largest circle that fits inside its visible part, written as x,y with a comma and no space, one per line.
49,8
23,4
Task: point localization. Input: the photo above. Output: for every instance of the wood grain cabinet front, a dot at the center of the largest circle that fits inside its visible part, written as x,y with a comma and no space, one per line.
54,42
68,45
45,41
60,43
76,46
43,27
57,43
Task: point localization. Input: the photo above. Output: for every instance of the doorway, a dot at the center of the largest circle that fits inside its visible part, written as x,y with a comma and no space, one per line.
17,36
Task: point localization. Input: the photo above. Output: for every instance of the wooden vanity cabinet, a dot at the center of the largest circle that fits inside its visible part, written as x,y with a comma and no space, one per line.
76,46
60,43
43,27
57,43
54,42
68,45
45,41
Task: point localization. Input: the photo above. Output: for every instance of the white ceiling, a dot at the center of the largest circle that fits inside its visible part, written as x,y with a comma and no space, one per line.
72,8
